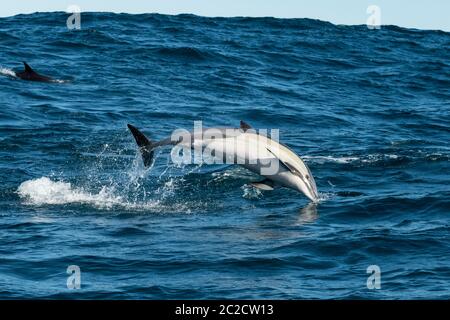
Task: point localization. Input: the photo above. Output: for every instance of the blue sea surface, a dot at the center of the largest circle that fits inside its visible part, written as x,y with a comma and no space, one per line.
367,110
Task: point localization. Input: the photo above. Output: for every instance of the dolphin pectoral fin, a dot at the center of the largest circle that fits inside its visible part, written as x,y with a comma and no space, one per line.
266,184
145,145
245,126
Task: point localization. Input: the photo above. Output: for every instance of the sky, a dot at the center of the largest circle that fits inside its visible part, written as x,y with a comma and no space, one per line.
420,14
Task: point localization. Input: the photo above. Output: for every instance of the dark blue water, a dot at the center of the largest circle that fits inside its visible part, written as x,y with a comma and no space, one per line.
368,111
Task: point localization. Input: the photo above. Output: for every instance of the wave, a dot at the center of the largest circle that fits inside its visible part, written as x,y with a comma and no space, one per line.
194,54
369,110
350,159
183,52
377,158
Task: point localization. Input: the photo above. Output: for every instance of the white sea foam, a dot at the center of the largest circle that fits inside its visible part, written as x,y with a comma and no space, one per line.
60,81
377,157
323,159
370,158
44,191
325,196
7,72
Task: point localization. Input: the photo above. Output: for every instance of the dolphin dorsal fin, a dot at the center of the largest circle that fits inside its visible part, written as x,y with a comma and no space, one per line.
27,67
245,126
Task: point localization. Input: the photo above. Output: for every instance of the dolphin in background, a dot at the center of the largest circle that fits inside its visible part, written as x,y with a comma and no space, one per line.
245,145
31,75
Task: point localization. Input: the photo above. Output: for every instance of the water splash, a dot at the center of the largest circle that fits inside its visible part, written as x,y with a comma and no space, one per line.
7,72
45,191
251,192
130,188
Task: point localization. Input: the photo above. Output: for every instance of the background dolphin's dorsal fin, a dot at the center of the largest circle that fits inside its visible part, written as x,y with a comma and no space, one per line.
245,126
27,67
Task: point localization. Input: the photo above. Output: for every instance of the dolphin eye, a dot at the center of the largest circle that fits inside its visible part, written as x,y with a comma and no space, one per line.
307,177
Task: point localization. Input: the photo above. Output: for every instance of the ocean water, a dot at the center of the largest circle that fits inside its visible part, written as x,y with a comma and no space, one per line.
368,111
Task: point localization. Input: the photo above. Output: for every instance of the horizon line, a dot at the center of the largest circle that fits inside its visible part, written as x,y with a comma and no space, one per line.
224,16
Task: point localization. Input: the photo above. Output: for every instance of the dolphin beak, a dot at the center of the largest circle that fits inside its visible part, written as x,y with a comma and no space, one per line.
314,198
309,189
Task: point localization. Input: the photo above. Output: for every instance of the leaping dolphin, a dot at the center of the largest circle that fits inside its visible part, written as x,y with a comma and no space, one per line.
248,149
31,75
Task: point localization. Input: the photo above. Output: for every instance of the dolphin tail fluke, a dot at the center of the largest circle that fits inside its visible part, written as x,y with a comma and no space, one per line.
145,145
